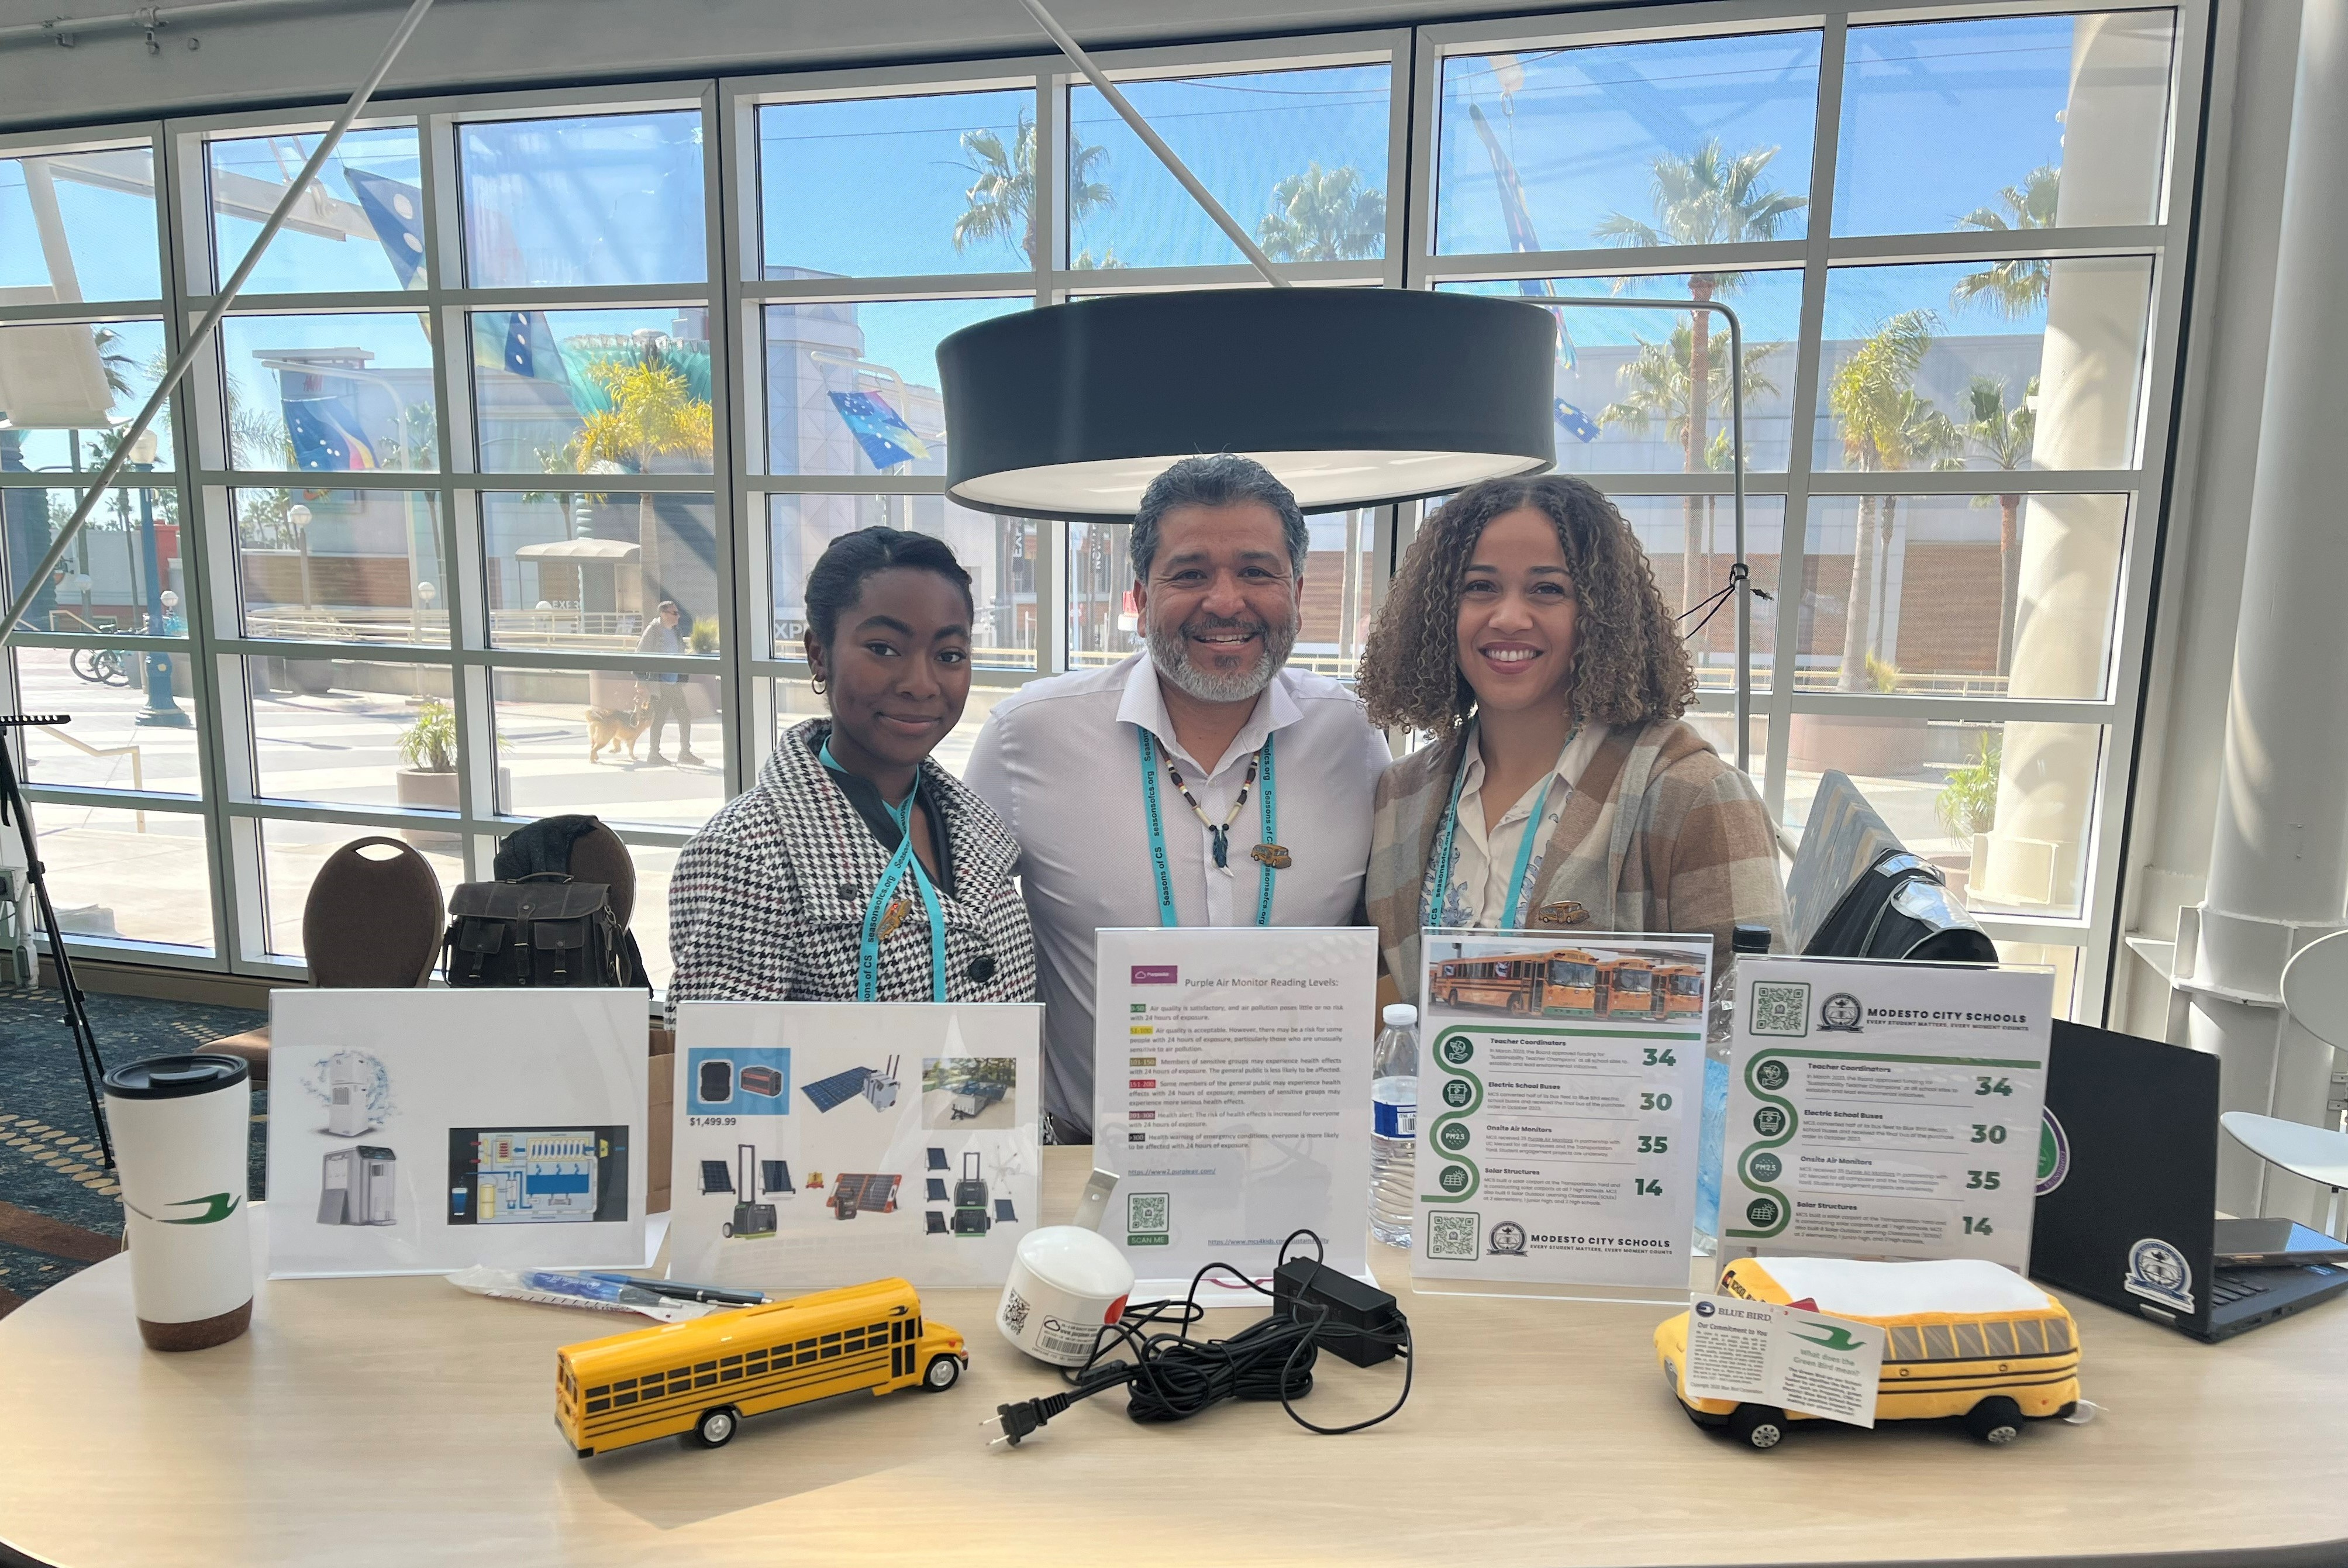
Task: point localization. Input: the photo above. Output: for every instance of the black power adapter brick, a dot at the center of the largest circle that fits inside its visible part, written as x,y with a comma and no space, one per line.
1305,1290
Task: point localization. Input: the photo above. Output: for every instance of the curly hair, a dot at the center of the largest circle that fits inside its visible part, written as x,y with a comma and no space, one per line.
1630,667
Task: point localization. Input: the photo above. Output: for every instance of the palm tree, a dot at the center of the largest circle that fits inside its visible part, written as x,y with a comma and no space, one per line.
653,415
2002,433
1706,197
2014,289
1872,395
1919,436
1324,215
1001,202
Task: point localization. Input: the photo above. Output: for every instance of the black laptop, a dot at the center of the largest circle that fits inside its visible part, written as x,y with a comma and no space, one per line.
2127,1193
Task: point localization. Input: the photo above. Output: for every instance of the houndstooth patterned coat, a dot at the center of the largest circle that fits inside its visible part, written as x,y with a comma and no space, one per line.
767,901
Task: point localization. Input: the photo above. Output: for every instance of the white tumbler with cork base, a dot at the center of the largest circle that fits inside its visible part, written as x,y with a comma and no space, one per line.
181,1126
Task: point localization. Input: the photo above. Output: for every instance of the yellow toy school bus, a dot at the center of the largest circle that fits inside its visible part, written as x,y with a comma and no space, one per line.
697,1379
1963,1338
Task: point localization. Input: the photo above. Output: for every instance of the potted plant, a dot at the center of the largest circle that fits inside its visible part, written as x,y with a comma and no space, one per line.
428,747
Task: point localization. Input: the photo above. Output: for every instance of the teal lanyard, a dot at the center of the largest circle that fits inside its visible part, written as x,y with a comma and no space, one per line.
1512,913
1163,870
868,953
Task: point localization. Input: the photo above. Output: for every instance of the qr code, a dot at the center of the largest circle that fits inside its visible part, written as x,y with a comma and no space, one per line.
1145,1213
1452,1237
1781,1008
1014,1310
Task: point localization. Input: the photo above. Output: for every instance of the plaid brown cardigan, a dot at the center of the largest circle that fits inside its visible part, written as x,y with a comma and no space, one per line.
1695,851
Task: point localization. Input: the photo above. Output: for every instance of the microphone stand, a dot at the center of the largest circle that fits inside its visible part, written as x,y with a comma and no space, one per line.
12,804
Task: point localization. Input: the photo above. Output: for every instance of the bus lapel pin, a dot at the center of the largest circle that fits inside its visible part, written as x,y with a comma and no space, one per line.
1276,856
1564,912
894,917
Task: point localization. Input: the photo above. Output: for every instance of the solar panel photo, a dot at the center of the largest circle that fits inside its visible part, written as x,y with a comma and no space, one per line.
837,1089
715,1177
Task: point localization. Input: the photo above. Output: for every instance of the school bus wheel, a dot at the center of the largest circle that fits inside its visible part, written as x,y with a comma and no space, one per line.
1997,1420
715,1428
1759,1424
942,1373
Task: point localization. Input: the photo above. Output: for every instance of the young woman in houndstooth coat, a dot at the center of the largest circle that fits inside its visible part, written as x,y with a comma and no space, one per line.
803,888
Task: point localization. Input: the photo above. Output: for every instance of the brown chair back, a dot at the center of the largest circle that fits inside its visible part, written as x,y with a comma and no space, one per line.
597,855
373,921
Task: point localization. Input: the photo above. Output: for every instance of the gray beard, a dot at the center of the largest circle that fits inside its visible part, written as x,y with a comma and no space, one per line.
1170,655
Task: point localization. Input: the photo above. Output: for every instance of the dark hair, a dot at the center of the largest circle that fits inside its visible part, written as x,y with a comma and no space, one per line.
1222,479
838,580
1629,665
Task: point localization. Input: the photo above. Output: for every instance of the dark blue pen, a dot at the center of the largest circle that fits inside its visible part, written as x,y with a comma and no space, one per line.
676,1290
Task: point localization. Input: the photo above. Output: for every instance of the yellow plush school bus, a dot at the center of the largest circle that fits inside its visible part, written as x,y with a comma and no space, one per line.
1963,1338
697,1379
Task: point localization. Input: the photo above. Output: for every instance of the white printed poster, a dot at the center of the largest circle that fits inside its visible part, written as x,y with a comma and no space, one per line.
827,1143
1231,1093
1885,1110
421,1131
1560,1087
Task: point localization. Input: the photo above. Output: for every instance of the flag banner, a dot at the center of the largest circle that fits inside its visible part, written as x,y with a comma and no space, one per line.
880,430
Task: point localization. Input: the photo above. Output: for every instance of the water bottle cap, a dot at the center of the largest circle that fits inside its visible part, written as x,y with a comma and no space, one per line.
1401,1015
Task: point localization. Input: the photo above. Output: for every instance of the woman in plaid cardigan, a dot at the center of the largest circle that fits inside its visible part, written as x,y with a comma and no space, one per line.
1524,631
779,895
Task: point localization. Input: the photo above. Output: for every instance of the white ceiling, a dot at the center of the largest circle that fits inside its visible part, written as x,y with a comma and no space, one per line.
315,52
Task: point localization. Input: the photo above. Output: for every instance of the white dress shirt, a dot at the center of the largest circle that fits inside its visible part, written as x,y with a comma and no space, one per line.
1060,762
1484,853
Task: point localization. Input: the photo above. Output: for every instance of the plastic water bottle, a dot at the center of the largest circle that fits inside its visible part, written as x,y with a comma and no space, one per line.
1712,1136
1394,1137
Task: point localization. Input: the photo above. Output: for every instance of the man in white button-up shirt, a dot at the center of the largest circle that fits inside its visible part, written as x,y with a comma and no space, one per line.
1218,550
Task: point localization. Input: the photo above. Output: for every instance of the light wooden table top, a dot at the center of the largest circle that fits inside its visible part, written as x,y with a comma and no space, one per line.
400,1421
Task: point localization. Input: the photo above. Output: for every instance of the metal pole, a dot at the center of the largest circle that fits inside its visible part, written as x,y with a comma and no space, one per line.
1740,577
226,296
1174,165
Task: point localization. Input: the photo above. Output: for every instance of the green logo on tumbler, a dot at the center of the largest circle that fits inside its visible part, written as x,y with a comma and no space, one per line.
1454,1179
216,1208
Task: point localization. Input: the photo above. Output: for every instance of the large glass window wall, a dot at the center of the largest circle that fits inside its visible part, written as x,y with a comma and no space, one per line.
524,367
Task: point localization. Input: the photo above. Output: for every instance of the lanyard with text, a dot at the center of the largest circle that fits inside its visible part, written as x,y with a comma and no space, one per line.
1269,855
1512,915
884,906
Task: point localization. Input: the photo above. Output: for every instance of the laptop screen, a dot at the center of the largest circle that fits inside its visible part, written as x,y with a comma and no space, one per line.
2127,1173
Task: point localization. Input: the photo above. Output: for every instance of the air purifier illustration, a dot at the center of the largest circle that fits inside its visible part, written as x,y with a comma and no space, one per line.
347,1101
360,1187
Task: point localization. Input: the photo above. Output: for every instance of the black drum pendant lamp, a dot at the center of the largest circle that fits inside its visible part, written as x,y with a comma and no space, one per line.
1352,396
